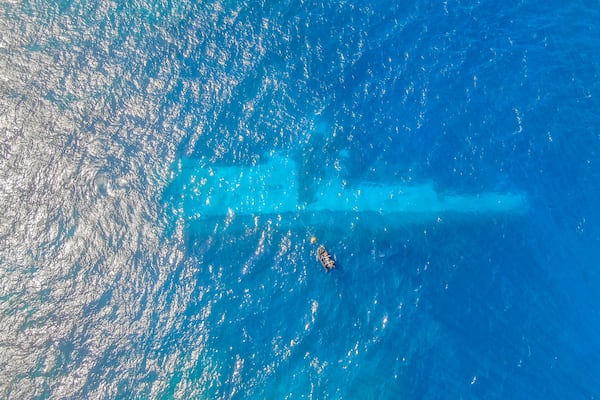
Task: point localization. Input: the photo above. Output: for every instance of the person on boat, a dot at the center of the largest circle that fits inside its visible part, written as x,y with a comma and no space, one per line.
325,258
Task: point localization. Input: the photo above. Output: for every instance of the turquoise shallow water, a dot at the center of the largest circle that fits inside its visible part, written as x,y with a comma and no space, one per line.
153,244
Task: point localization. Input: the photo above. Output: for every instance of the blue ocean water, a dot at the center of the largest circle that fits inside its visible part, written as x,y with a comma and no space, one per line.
109,289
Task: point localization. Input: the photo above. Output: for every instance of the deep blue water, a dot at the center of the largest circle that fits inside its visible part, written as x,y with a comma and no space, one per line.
108,291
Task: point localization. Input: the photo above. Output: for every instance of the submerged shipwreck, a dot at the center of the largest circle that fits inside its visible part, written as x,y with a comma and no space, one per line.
271,189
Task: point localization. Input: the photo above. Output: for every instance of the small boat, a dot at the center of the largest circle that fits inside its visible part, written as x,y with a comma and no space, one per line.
325,258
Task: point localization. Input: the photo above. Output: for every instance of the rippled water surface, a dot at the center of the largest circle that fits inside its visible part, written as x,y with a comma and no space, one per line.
111,288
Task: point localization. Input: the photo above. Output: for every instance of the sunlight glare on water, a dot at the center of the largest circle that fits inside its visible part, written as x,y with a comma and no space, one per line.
163,167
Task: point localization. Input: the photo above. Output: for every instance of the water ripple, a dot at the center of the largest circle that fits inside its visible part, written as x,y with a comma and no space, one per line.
106,293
